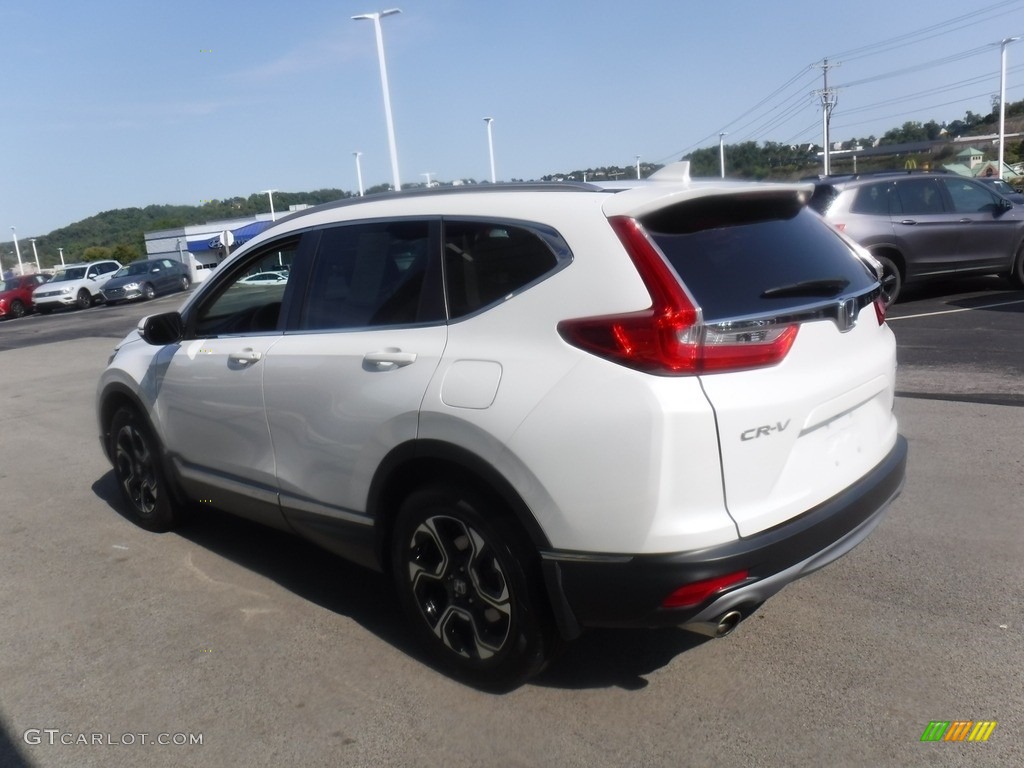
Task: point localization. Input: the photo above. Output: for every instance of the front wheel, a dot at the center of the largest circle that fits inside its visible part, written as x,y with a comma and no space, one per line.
139,473
148,291
17,308
464,579
83,300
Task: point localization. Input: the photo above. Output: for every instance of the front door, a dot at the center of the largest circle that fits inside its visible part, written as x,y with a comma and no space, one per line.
210,393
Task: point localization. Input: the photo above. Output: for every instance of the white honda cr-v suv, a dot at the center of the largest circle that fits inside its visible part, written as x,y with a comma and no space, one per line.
538,407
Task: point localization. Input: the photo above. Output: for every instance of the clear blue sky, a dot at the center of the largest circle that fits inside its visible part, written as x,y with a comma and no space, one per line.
120,103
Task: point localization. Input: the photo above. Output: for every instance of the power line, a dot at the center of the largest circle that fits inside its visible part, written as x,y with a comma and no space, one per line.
883,46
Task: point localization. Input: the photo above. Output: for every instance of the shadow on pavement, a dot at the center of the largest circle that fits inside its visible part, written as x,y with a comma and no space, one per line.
10,755
599,659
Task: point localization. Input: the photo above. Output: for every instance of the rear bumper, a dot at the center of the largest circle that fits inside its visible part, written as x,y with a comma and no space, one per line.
627,590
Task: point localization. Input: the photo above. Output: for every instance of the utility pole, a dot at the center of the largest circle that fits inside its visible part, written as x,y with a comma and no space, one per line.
828,102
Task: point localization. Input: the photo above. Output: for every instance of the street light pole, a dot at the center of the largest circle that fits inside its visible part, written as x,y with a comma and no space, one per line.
375,18
721,153
36,254
270,194
1002,97
359,172
17,250
638,167
490,147
61,256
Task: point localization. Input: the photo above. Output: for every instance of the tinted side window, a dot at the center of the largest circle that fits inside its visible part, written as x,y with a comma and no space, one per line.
369,275
485,262
241,306
920,196
969,197
873,199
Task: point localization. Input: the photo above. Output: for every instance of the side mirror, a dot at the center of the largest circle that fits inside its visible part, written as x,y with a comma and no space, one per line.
159,330
1005,205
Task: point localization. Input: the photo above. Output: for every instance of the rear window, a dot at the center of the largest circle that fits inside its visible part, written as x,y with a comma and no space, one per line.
756,255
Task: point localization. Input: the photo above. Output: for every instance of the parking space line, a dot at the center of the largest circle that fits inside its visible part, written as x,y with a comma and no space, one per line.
951,311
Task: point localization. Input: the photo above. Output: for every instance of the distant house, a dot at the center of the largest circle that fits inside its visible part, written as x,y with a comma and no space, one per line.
973,164
971,157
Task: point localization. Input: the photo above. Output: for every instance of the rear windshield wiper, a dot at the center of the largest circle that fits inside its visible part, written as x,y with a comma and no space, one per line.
827,287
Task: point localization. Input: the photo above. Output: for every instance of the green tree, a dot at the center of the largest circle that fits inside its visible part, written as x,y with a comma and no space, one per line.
125,253
97,253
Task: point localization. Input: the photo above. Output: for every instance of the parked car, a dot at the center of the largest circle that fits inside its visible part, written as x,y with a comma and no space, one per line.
1004,189
924,226
265,278
16,294
145,279
538,407
75,285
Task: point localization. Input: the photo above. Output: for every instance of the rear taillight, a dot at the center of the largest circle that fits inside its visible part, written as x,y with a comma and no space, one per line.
879,309
670,337
694,594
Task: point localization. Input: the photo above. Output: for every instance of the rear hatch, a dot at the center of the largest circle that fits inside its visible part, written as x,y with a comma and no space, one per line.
802,421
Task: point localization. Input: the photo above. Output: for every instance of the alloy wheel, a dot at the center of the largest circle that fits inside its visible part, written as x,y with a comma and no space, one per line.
460,588
136,470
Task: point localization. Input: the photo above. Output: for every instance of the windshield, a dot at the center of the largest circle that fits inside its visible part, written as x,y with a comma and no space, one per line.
133,269
10,285
76,273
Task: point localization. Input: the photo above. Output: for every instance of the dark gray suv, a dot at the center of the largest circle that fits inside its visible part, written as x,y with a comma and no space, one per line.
923,226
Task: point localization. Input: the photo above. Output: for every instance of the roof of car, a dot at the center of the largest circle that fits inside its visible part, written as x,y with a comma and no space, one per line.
632,197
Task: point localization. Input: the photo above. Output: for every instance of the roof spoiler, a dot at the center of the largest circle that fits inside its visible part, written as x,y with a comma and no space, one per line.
677,172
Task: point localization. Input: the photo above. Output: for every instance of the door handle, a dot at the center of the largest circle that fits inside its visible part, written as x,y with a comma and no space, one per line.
389,359
908,222
246,356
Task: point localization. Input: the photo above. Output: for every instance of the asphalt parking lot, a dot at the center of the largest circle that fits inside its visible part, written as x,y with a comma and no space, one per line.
270,652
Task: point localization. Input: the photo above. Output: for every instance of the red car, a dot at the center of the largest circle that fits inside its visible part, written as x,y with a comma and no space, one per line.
16,294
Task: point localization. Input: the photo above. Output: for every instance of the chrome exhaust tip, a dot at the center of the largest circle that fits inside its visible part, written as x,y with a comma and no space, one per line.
725,624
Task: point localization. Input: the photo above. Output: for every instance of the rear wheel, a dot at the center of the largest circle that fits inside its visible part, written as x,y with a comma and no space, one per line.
148,292
892,280
140,476
464,578
83,300
17,308
1017,274
184,283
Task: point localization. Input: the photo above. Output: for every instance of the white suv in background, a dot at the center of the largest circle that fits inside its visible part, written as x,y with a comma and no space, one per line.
538,407
75,285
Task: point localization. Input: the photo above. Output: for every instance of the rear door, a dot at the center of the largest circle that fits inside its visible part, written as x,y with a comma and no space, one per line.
926,228
793,434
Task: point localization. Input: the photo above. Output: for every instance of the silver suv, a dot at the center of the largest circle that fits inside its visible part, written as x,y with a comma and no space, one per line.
924,226
538,408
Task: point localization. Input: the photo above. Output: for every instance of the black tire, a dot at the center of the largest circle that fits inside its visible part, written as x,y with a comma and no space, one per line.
470,588
1017,273
139,472
185,283
17,308
148,291
83,300
44,310
892,279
